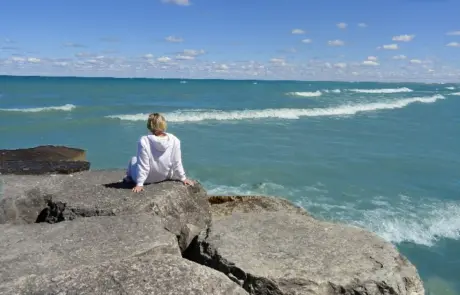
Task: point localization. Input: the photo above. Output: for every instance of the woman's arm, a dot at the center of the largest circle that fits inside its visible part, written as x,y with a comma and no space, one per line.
178,168
143,163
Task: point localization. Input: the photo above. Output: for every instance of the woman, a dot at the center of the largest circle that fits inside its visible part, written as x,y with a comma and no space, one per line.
158,156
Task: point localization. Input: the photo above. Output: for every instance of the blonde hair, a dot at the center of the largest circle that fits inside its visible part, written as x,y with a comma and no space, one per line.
156,122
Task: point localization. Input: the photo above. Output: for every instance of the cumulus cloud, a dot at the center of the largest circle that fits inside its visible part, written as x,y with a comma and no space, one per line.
399,57
336,43
453,44
193,52
174,39
33,60
342,25
453,33
362,25
373,58
340,65
278,61
148,56
184,57
370,63
298,32
415,61
404,38
390,47
164,59
307,41
178,2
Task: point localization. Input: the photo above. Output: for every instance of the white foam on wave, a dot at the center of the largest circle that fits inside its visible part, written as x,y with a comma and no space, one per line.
384,90
66,107
306,94
332,91
288,114
450,88
455,93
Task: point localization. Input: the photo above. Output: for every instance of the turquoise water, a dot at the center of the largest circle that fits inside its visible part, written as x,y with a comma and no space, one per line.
384,156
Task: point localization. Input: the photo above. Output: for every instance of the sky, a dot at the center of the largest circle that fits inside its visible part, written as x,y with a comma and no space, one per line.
346,40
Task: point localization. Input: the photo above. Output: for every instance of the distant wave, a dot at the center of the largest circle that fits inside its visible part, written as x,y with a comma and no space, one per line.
306,94
384,90
66,107
455,93
450,88
333,90
289,114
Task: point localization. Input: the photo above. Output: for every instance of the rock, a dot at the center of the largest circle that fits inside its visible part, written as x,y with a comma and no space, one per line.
287,253
43,160
163,275
184,210
227,205
45,249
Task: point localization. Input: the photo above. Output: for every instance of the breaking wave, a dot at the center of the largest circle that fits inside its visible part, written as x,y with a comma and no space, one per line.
389,90
306,94
288,114
66,107
455,93
450,88
333,91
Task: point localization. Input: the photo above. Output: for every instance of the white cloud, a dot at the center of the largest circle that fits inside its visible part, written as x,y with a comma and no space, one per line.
33,60
362,25
415,61
164,59
373,58
399,57
18,59
390,47
184,57
453,33
403,38
74,45
340,65
370,63
298,32
453,44
178,2
278,61
148,56
193,52
342,25
174,39
222,67
307,41
336,43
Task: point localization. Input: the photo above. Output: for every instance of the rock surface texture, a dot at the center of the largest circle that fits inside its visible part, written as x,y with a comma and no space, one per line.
282,252
43,160
88,233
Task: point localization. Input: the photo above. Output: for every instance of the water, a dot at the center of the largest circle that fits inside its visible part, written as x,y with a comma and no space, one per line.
381,156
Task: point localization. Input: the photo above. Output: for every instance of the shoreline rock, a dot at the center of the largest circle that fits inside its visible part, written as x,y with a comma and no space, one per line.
43,160
175,238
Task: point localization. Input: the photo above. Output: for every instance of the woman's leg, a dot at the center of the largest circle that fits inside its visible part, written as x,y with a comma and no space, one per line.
131,172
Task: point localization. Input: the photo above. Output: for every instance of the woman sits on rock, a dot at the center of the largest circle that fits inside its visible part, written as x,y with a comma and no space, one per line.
158,157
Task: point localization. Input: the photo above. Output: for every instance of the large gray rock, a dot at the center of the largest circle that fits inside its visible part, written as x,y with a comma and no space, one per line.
227,205
287,253
163,275
184,210
37,249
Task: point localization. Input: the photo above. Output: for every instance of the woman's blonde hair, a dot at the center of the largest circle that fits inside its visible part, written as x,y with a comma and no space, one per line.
156,122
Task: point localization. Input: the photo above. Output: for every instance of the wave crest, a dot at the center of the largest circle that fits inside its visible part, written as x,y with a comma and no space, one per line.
288,114
384,90
306,94
455,93
66,107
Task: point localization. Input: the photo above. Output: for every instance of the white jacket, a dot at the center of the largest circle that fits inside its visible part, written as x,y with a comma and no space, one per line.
158,159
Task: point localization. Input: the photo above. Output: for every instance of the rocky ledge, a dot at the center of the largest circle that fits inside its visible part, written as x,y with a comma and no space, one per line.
87,233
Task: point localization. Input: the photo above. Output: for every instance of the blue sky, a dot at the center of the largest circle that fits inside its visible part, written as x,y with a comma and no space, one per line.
273,39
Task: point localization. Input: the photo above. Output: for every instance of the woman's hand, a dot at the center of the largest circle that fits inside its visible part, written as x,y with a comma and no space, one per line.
188,182
138,189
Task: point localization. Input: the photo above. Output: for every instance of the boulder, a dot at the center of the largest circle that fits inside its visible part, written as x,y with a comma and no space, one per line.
160,275
43,160
227,205
184,210
283,252
42,249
